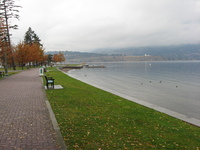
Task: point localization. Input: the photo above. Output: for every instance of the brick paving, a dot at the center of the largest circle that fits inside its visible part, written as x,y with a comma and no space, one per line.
25,122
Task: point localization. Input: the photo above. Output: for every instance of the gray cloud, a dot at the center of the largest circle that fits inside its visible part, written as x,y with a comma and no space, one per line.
87,24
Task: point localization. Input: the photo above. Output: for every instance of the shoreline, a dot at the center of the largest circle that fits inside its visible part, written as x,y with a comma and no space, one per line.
177,115
94,118
66,69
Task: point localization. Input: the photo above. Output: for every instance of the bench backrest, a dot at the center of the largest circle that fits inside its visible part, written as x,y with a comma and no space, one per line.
46,78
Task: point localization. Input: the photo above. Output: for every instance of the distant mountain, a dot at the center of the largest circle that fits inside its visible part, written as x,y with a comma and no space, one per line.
179,52
152,53
76,55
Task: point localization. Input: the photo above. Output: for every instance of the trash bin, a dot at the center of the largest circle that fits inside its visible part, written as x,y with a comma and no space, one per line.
41,71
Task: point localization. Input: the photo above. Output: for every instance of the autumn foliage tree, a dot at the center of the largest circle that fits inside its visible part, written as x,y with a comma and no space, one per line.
4,49
1,39
58,57
8,11
21,54
29,54
48,59
30,51
2,35
37,54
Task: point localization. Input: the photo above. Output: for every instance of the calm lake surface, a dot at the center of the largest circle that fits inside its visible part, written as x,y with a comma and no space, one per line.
171,85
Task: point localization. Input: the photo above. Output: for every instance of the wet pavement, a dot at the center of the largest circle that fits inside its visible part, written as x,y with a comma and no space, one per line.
25,121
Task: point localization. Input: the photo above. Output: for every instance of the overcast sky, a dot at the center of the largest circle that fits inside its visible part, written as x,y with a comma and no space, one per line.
82,25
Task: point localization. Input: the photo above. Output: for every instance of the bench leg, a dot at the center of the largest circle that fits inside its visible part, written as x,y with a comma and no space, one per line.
51,84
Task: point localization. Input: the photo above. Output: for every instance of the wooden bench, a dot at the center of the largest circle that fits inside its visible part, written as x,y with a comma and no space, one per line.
49,81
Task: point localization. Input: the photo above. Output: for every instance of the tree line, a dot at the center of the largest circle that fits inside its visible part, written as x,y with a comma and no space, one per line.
171,52
29,52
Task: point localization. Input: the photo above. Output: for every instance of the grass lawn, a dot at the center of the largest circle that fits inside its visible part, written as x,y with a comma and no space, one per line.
90,118
9,73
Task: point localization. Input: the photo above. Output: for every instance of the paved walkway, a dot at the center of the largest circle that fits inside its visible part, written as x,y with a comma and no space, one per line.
25,122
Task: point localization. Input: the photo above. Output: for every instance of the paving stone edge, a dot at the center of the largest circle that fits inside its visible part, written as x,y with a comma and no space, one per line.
59,138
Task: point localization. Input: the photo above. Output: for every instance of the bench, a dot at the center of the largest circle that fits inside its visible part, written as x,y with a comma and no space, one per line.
2,73
49,81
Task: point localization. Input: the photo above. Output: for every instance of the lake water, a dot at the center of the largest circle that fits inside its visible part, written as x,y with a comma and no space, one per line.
171,85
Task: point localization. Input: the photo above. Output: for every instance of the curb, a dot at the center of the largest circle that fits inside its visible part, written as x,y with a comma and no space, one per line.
59,138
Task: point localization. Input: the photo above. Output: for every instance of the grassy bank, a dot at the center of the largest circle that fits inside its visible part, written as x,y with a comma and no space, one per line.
91,118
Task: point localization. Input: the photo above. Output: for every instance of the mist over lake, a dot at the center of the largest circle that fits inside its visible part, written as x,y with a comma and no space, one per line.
174,85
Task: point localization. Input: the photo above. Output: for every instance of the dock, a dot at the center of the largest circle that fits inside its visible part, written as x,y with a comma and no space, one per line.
95,66
73,67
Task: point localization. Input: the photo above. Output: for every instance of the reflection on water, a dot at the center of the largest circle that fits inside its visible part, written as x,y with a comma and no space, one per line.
172,85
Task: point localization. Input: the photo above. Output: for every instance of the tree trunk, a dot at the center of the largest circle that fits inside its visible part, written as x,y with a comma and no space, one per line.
8,36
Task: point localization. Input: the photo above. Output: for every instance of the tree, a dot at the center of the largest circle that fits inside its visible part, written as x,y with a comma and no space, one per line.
3,45
31,37
8,10
32,40
22,54
2,35
58,57
26,53
2,32
61,57
48,59
35,54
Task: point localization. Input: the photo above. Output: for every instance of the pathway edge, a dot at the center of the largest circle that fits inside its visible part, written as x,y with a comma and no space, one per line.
59,138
